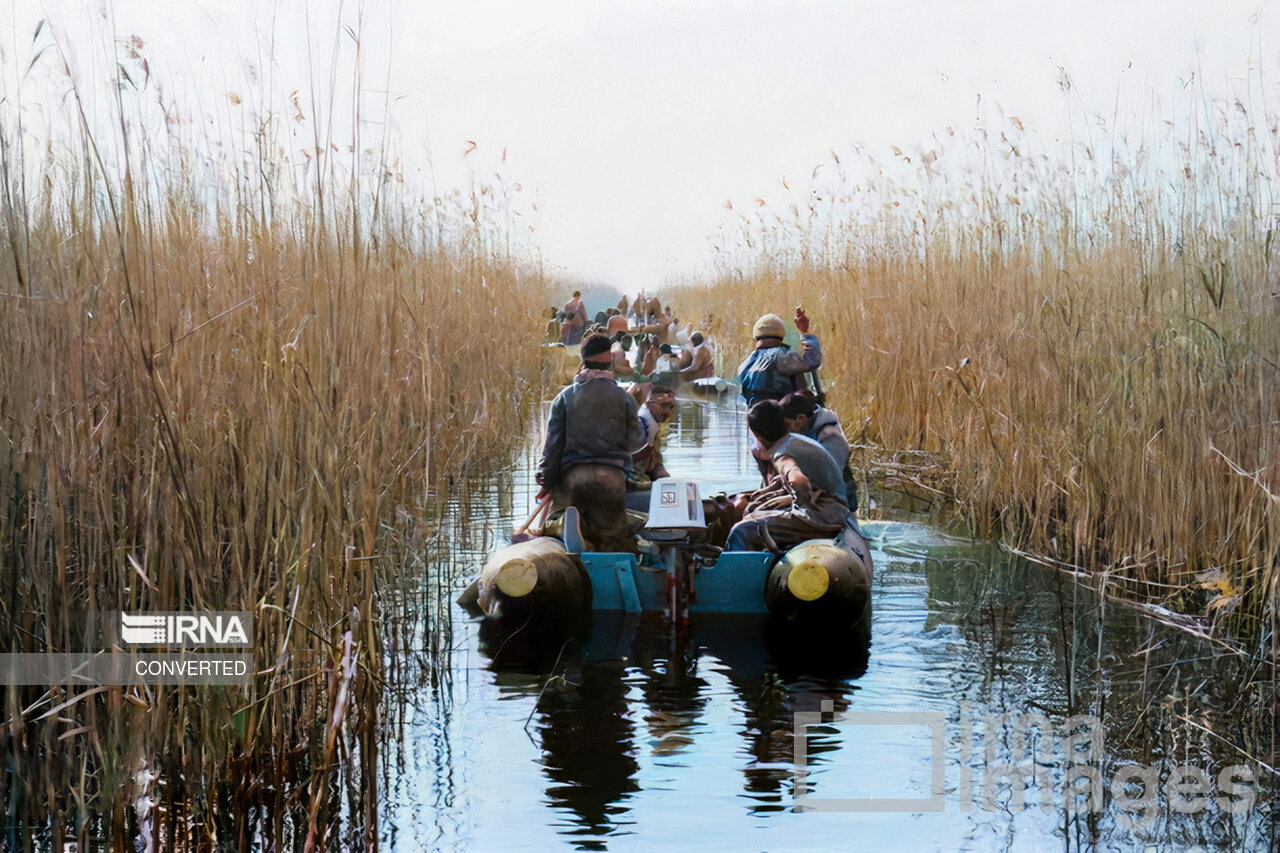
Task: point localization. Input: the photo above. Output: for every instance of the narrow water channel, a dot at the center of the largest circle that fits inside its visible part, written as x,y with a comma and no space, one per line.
637,739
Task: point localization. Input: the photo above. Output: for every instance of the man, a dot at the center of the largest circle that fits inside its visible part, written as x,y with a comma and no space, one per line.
771,371
575,322
806,501
806,417
647,460
698,359
620,343
553,325
593,429
666,365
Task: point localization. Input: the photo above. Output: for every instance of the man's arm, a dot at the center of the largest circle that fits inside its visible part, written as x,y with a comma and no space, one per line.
799,483
552,449
742,372
809,357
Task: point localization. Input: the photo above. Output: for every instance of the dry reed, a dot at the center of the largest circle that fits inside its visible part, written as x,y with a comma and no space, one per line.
230,384
1086,338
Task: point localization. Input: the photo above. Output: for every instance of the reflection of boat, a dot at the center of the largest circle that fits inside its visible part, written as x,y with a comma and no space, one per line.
825,582
635,686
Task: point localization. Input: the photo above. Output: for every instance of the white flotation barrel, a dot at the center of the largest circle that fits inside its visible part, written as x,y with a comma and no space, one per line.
536,575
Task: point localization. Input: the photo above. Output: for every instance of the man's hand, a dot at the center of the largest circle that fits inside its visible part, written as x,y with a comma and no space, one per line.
802,321
650,361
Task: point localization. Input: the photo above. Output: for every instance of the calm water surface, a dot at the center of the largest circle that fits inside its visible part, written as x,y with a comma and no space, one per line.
637,739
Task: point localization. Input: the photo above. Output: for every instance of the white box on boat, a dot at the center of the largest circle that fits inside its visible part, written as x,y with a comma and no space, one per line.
675,504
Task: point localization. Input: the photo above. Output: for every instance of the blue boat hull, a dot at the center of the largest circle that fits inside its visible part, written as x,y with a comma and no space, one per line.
734,584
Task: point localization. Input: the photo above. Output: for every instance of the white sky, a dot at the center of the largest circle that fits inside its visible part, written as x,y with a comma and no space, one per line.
630,124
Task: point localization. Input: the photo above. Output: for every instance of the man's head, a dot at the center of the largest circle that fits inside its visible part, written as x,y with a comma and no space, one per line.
798,410
577,294
765,420
661,402
595,351
768,327
696,339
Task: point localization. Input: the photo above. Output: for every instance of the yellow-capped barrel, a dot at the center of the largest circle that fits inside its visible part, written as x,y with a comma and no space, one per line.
537,576
824,581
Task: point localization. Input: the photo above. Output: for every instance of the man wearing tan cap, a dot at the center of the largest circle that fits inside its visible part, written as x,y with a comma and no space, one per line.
771,371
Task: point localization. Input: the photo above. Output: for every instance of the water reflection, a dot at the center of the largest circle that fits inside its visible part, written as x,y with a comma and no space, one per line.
637,738
588,748
636,687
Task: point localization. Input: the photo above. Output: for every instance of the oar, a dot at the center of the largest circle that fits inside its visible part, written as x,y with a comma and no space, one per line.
522,534
817,388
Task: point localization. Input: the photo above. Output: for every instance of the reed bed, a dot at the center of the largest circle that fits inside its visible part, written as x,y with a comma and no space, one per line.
230,383
1081,343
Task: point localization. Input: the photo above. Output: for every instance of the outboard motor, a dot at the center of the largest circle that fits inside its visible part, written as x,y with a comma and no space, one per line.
675,510
677,525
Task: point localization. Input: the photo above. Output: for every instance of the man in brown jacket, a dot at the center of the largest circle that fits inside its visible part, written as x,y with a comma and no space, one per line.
593,429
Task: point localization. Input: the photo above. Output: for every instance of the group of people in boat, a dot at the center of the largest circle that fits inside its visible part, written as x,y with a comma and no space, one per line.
661,343
602,441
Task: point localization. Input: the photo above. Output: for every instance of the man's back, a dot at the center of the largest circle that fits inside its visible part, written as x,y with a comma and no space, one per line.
600,423
760,378
814,461
826,430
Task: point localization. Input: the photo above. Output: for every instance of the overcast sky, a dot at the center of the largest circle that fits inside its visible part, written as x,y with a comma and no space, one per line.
630,124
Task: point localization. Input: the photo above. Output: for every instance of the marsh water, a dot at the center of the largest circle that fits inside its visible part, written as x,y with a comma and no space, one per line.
980,668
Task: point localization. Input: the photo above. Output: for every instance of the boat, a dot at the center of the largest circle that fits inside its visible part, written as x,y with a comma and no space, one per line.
712,386
819,584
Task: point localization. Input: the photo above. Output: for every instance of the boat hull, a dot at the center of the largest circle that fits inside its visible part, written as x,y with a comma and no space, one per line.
751,582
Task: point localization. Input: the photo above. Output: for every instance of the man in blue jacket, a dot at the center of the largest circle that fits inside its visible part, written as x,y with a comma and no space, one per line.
772,370
593,429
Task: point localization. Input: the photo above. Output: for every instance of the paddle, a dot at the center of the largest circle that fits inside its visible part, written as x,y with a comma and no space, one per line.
524,534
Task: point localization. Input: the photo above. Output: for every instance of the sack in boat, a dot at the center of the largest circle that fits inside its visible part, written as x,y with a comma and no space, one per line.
720,515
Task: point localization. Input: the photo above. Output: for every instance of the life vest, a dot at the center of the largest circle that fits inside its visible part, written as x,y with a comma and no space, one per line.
759,377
